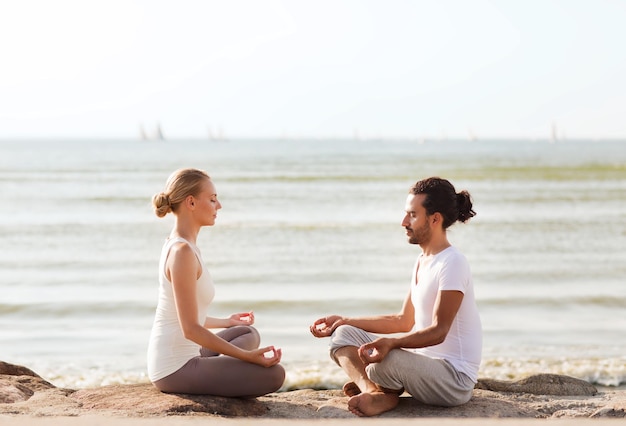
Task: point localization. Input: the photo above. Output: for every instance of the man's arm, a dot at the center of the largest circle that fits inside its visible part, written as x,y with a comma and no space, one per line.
381,324
446,306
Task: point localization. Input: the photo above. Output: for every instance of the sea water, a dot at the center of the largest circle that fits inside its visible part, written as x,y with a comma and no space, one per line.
310,228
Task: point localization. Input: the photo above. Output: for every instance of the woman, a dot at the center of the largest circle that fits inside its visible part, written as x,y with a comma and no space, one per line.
183,355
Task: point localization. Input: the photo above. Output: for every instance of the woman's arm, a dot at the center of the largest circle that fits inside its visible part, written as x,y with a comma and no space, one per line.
183,269
241,318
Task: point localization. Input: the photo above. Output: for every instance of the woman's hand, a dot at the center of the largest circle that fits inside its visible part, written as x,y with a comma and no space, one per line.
242,318
324,327
265,357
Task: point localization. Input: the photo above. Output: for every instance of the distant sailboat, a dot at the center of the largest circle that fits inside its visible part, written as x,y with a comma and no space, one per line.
220,134
219,137
158,135
471,136
554,133
142,133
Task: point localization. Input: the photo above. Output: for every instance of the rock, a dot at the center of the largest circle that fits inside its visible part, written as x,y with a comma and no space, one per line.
10,393
617,411
19,383
7,369
20,388
22,392
541,384
145,399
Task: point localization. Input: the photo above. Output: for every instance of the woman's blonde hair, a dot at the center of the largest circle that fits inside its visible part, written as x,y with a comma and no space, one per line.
181,184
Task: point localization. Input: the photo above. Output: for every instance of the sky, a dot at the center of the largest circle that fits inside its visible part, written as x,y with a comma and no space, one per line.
313,69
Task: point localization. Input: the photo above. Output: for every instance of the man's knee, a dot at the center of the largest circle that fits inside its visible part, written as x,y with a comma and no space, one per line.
345,335
388,373
342,332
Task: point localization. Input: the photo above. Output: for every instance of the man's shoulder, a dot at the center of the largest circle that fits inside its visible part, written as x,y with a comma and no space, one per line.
452,252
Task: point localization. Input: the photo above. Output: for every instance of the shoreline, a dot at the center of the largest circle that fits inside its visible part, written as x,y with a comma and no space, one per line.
26,398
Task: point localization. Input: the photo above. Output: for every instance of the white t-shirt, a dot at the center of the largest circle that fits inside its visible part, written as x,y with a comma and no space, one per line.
168,349
448,270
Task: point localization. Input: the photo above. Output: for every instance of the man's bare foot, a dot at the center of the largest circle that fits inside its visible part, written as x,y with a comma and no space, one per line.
372,404
351,389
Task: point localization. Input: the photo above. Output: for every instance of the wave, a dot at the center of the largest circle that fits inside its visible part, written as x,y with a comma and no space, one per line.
589,301
78,309
322,375
597,371
585,171
295,305
402,171
299,306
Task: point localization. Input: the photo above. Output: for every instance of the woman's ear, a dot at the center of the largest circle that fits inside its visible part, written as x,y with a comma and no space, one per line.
190,202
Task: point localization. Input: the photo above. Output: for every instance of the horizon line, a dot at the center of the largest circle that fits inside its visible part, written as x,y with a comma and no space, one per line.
314,138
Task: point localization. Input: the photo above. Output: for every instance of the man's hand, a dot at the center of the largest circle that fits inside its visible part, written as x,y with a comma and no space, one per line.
324,327
375,351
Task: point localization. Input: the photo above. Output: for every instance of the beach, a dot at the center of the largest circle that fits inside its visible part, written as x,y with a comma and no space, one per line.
313,121
26,396
310,228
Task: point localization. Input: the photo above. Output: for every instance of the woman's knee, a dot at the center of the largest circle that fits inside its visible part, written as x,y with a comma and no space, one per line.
243,336
254,334
261,381
277,378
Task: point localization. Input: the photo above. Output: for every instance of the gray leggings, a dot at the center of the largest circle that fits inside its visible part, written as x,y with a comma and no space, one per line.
429,380
213,374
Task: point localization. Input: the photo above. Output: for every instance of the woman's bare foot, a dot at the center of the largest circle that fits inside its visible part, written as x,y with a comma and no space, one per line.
372,404
351,389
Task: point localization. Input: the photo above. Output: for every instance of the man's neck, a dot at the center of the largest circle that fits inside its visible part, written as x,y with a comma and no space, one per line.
435,246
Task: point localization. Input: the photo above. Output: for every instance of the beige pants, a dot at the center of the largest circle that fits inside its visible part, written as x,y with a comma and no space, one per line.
429,380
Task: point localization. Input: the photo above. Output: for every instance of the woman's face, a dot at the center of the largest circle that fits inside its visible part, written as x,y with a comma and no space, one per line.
207,204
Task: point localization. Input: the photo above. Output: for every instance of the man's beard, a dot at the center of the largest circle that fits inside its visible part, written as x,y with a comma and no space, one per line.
419,236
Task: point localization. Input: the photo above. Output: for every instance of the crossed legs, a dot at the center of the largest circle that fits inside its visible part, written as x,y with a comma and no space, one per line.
366,397
213,374
375,388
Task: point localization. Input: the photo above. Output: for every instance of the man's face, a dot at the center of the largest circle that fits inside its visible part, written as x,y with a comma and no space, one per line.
416,220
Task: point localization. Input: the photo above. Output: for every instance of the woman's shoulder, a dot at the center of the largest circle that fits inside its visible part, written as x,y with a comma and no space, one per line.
183,250
180,246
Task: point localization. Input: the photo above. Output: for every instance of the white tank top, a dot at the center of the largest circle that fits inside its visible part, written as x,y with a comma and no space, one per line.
168,349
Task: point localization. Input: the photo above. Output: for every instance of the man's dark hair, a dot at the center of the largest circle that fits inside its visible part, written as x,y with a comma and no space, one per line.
442,197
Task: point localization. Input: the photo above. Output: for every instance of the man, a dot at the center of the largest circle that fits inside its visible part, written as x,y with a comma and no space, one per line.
436,359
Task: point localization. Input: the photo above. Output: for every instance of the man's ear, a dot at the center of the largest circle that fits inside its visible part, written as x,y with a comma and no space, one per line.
436,218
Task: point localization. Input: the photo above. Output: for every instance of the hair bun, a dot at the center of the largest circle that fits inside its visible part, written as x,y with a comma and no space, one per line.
464,203
162,204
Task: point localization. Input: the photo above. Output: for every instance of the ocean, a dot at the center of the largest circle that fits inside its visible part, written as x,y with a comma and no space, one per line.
310,228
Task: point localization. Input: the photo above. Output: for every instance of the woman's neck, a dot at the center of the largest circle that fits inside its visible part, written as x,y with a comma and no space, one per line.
186,231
